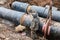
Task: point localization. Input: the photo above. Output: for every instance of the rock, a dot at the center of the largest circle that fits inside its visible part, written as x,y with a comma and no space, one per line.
2,36
3,1
19,28
6,38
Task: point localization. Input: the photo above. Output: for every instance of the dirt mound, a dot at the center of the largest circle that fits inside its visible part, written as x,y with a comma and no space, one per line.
42,2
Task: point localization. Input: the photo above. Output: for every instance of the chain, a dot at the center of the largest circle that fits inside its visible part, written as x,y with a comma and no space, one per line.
49,20
34,24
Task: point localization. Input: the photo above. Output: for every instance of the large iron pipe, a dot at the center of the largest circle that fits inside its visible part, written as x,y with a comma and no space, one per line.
16,17
10,15
54,32
20,6
42,11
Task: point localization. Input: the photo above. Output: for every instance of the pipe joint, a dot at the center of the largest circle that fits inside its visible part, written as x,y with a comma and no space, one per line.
26,19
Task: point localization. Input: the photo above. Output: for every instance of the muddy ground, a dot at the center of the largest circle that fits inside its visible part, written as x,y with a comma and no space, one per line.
7,28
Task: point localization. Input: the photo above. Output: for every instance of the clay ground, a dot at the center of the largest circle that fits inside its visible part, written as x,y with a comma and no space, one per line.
7,28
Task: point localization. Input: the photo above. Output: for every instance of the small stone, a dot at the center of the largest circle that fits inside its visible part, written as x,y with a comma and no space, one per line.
6,38
23,34
3,1
19,28
2,36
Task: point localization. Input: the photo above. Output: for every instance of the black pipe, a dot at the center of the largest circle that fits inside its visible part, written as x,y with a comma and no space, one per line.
16,17
42,11
10,15
54,32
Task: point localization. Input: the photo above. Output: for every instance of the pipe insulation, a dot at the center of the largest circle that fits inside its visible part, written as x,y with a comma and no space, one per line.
42,11
16,16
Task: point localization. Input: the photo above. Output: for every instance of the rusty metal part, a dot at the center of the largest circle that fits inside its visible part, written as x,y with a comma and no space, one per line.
22,19
45,28
50,14
34,24
48,21
28,9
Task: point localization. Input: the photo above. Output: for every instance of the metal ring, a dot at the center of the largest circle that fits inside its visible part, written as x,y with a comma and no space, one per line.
28,9
22,19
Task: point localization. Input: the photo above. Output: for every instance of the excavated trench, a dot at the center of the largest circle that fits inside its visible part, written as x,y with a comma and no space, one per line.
7,31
